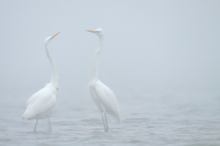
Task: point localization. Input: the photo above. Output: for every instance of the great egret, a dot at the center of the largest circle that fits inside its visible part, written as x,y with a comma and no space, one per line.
102,95
41,103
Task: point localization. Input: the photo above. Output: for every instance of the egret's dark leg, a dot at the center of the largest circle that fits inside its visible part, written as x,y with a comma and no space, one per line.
35,125
103,121
106,122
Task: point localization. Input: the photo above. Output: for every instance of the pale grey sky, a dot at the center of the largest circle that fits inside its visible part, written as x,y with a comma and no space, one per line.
151,47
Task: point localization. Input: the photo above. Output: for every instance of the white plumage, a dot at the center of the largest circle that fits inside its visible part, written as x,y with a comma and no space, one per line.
104,98
102,95
41,103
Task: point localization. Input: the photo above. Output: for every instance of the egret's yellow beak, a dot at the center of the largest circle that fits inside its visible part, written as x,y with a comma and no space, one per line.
56,34
91,30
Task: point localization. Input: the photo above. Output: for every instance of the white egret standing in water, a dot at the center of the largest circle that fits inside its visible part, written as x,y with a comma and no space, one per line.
103,96
41,103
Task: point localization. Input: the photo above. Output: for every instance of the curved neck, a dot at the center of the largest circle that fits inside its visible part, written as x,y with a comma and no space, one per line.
95,66
54,75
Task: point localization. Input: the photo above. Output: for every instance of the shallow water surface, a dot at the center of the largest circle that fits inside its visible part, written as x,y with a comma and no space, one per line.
153,121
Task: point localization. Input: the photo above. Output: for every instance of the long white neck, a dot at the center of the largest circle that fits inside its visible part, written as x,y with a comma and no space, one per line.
95,66
54,74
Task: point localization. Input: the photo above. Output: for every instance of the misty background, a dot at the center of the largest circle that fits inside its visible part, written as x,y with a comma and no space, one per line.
152,49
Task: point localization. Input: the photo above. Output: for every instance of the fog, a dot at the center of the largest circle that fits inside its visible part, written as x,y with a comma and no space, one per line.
151,49
157,47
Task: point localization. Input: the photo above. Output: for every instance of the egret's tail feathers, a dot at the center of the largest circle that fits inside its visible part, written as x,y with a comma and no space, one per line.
27,115
24,117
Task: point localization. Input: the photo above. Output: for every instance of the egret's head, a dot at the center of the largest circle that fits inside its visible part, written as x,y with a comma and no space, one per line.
49,38
97,31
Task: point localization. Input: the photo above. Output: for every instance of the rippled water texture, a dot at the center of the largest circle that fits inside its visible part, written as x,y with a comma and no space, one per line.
152,121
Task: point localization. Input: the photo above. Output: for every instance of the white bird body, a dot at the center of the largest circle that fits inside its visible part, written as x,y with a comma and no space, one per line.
41,103
102,95
104,98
